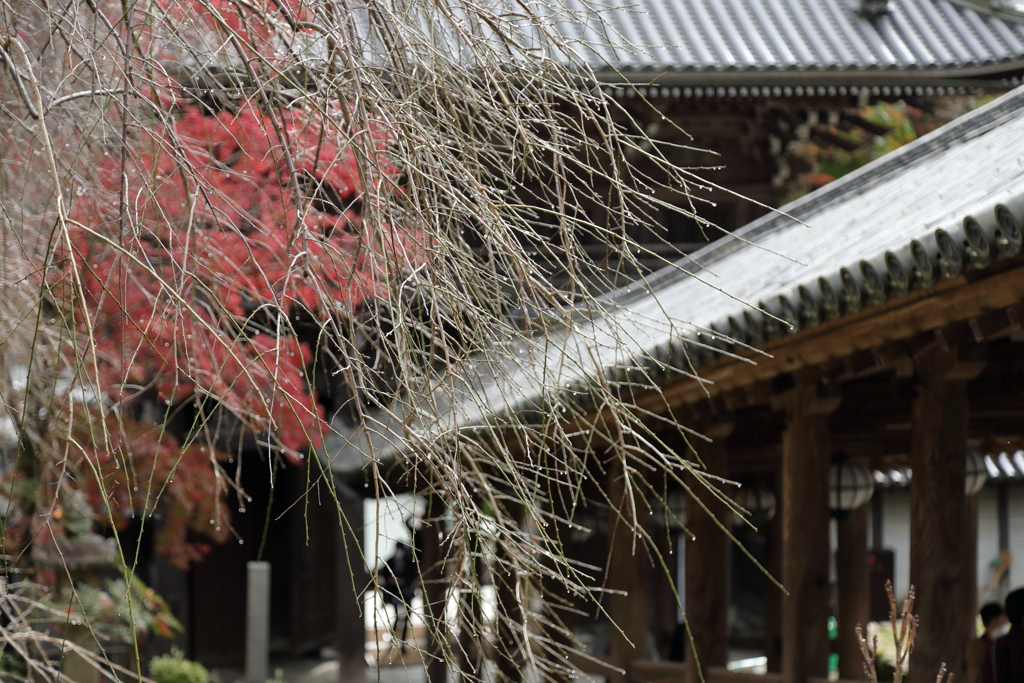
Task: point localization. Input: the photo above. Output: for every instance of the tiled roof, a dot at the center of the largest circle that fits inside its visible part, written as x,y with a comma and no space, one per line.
701,40
833,252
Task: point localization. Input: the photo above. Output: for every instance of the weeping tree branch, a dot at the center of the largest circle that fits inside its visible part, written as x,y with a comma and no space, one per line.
252,227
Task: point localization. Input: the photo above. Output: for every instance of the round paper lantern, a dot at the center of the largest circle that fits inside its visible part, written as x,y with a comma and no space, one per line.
850,486
976,473
759,501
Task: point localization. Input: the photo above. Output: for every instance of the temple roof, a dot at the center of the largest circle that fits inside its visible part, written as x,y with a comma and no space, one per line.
896,228
804,41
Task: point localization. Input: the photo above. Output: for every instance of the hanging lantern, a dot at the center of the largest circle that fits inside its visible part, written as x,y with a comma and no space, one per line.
976,474
756,499
850,486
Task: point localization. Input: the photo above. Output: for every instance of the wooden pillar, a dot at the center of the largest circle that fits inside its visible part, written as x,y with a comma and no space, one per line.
560,604
854,599
773,596
352,581
664,591
435,592
471,615
806,455
509,634
938,509
707,560
628,573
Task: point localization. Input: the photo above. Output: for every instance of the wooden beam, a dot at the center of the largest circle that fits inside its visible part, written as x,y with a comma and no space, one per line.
470,616
561,610
723,675
665,621
883,358
937,512
806,455
649,671
1003,524
969,560
589,664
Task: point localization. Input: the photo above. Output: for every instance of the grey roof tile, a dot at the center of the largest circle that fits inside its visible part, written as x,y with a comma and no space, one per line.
698,36
758,50
781,35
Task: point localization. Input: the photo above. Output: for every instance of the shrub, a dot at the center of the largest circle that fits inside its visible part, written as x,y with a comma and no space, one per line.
12,667
106,610
885,670
174,668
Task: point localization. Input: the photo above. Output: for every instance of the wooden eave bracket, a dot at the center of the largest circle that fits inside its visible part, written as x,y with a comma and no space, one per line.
808,401
952,314
950,364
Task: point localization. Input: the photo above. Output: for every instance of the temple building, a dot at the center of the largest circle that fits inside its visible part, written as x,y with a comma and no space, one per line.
770,88
898,359
865,341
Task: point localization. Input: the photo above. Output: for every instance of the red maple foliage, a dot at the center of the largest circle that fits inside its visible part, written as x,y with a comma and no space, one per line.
136,465
116,471
194,257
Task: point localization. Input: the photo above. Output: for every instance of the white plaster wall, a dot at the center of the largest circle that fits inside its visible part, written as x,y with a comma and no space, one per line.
988,535
385,525
896,535
1016,535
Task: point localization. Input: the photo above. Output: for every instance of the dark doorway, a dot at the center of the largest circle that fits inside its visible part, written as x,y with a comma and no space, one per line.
298,538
